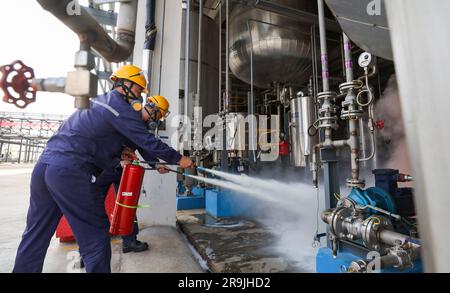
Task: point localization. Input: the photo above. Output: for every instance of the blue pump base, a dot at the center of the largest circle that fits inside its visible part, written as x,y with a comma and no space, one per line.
191,202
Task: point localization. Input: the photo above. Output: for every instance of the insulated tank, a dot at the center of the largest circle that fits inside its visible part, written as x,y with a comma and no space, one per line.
281,46
302,118
365,23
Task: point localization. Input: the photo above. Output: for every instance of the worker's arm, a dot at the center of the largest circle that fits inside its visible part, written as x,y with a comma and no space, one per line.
130,125
131,147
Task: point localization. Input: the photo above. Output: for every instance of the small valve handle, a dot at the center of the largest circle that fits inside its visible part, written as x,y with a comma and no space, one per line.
16,84
380,124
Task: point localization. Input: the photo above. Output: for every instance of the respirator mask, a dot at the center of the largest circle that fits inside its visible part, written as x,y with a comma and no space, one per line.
153,122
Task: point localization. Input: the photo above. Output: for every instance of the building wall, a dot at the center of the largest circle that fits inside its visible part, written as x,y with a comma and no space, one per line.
161,189
420,39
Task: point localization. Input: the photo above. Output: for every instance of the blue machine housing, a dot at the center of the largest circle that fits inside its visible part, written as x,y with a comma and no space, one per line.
373,196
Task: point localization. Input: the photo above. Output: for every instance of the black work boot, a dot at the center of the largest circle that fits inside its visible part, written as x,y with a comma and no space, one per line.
134,246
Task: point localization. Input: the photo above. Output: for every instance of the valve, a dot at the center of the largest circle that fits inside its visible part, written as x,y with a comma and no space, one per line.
380,124
16,84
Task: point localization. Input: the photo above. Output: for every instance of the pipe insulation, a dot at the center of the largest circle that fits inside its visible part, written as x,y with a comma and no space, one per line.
87,28
150,26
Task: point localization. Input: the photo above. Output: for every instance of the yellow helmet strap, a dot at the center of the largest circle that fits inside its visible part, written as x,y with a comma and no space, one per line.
136,102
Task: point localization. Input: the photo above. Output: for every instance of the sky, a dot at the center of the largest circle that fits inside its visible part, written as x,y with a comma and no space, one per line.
42,42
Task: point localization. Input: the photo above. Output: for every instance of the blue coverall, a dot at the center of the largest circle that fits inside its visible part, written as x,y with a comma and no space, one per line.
63,182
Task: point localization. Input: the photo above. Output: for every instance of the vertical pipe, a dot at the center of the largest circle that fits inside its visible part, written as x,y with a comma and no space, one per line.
348,58
251,60
162,46
224,160
186,59
7,154
199,53
220,57
227,53
323,46
187,121
353,124
252,95
20,151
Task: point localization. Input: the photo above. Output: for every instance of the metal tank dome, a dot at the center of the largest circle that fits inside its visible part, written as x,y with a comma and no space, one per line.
281,46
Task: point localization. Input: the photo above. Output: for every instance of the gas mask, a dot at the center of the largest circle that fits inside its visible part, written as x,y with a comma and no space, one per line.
152,123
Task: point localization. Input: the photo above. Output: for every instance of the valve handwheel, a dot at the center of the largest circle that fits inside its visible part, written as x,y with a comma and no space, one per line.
15,82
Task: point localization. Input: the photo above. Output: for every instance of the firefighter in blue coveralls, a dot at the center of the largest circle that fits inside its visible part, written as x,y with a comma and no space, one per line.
63,180
155,111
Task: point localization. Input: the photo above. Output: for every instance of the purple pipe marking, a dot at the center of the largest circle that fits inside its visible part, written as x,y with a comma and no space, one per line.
348,46
325,74
325,58
349,64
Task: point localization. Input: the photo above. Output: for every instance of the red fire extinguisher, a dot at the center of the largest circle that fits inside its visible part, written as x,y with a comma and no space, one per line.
283,148
127,200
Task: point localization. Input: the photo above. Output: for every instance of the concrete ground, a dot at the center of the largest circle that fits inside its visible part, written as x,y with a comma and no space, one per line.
234,245
169,251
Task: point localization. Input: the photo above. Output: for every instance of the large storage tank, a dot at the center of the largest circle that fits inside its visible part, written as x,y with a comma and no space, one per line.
365,24
209,95
281,46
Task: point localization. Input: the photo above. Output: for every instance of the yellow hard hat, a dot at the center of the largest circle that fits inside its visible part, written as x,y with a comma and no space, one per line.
161,103
131,73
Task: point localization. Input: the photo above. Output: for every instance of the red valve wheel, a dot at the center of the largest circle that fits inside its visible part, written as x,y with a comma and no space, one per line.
16,84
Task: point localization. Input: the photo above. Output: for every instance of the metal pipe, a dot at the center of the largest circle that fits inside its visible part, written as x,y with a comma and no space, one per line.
84,24
199,53
315,166
323,46
394,239
224,159
186,61
150,26
348,58
150,39
53,85
161,54
220,57
227,54
126,25
252,90
354,146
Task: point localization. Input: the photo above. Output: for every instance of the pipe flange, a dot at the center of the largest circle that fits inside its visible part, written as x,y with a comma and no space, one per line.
337,218
351,114
324,95
328,122
352,85
329,109
355,183
370,230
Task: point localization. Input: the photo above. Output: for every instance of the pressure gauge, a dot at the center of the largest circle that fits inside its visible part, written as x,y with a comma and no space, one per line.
365,59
